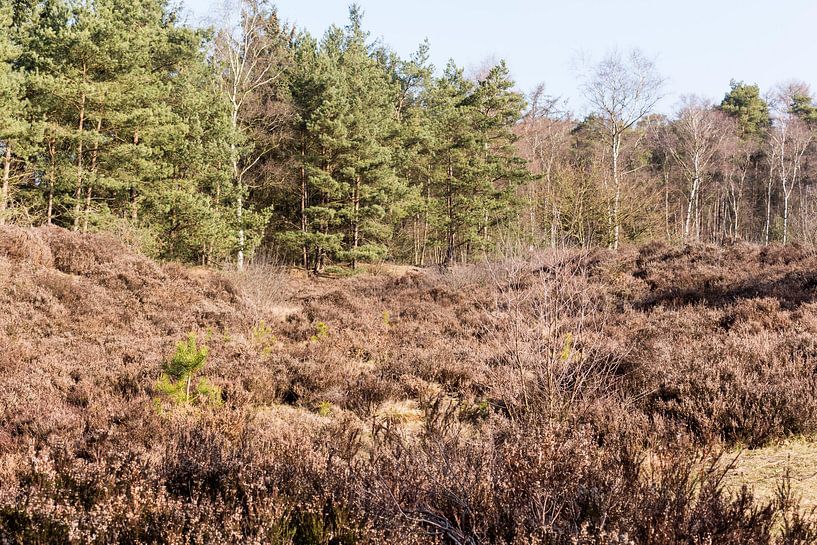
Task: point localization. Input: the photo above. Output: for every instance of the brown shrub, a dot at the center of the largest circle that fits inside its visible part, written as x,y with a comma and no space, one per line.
24,246
567,397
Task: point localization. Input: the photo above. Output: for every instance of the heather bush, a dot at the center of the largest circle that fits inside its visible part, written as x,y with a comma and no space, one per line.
558,398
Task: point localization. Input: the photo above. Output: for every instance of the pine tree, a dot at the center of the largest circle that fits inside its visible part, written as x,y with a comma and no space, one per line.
411,152
348,123
450,146
802,105
367,162
744,103
501,170
305,88
171,159
136,134
15,128
476,169
327,131
180,380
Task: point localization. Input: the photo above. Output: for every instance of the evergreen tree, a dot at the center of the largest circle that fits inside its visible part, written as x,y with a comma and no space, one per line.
348,124
367,164
454,145
743,102
15,129
412,152
476,167
77,46
499,108
326,129
802,105
305,90
136,137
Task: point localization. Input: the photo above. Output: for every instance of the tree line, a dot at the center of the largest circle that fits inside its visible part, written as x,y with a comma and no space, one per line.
205,145
740,169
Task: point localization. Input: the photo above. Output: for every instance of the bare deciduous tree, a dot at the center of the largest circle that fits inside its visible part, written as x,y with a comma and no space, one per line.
248,58
735,162
694,140
789,140
545,134
621,89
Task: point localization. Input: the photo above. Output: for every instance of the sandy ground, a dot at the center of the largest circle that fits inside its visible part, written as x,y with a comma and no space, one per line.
763,469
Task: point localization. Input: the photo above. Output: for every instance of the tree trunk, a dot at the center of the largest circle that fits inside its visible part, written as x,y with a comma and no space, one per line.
690,206
801,210
89,190
735,225
735,194
4,191
450,241
240,217
768,208
304,197
78,190
316,264
234,157
615,150
132,191
424,244
785,216
52,178
87,213
415,231
81,136
666,205
355,221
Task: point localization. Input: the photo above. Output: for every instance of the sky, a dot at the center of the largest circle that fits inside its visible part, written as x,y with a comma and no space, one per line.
697,45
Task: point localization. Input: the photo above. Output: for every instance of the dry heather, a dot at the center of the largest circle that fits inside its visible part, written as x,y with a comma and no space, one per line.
559,398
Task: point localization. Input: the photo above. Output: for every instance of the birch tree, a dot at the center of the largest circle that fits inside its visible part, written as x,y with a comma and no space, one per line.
545,133
735,163
696,135
789,140
249,59
622,90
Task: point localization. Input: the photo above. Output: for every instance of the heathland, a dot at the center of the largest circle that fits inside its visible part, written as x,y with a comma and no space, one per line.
562,396
261,286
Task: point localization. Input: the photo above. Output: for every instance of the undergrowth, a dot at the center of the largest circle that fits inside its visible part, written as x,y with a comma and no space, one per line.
557,398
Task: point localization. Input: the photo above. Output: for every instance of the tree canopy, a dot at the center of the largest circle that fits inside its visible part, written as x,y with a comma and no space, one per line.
204,145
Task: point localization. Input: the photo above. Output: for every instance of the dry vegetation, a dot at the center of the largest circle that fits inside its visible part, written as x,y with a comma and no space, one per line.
558,398
764,468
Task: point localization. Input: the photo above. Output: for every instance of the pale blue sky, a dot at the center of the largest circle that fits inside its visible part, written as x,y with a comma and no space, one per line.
698,45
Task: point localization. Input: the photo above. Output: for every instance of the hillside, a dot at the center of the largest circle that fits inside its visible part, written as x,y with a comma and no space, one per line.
564,397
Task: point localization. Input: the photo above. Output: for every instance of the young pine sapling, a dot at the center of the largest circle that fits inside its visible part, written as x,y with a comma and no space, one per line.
179,378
